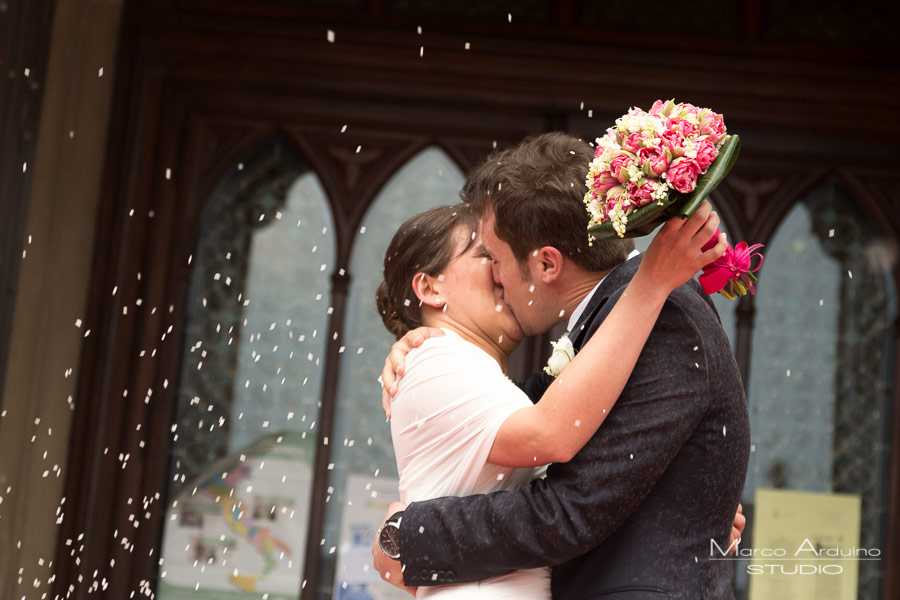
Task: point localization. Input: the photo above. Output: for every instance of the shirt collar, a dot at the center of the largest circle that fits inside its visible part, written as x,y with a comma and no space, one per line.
579,310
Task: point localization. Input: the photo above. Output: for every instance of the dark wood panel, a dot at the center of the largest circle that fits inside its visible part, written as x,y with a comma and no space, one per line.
791,94
25,29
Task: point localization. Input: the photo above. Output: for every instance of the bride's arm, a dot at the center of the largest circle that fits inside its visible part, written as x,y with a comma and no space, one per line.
577,402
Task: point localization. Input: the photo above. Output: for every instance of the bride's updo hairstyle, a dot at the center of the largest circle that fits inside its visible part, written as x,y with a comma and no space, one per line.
426,243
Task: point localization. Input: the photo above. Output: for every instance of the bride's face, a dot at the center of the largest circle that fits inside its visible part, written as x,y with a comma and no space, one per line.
473,299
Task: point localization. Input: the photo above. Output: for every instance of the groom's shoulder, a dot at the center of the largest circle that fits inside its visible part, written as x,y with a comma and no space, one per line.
688,297
687,309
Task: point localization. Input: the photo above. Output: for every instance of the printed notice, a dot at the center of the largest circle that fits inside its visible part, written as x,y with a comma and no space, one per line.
237,532
355,578
806,546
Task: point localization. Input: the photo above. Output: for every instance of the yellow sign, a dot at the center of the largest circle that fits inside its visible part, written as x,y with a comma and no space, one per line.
805,545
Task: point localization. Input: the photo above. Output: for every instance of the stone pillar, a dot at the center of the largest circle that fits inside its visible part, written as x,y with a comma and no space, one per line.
53,287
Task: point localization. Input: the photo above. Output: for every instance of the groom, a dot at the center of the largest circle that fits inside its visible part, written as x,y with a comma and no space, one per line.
635,513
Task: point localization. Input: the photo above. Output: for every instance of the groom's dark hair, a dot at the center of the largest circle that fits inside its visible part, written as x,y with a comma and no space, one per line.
536,190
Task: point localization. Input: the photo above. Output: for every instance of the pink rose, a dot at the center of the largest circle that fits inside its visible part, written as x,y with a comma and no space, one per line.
714,127
684,127
654,160
687,109
642,194
610,207
634,142
619,166
706,154
627,204
602,182
682,175
662,108
613,196
673,140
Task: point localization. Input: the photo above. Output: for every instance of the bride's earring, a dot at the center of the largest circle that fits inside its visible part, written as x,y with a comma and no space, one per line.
427,294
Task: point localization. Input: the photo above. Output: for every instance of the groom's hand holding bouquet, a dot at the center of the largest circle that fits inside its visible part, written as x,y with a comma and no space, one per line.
663,163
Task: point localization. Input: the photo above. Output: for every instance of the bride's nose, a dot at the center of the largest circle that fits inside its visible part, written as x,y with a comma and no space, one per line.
495,273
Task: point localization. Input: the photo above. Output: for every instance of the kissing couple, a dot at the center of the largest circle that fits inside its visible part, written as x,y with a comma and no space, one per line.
645,431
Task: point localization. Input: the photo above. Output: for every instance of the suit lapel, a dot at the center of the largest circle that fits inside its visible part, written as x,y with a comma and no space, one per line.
617,278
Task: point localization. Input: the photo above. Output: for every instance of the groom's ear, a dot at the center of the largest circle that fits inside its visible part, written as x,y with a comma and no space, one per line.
549,263
427,289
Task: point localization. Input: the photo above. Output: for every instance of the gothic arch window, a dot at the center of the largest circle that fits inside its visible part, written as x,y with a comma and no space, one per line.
251,385
820,369
363,479
248,396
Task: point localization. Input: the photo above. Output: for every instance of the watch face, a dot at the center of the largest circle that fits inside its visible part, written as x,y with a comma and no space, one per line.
390,541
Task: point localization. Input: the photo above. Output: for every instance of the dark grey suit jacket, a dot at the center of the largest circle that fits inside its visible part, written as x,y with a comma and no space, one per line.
631,516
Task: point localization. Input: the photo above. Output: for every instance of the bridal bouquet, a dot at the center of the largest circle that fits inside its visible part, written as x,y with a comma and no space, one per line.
655,165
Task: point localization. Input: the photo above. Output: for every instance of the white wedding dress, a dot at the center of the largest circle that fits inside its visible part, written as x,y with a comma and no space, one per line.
453,399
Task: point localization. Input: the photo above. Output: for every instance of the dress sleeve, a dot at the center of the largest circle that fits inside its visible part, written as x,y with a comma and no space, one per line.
450,406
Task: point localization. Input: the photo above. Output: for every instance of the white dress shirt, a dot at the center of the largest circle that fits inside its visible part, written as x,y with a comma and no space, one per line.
579,310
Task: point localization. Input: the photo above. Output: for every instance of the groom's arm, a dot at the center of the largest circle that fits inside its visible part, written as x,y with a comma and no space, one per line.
580,502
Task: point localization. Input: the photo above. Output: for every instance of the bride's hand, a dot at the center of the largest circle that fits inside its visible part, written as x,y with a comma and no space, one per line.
737,529
676,254
395,363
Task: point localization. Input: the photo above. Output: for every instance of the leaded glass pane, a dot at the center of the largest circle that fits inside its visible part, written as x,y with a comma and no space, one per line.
244,437
364,477
819,379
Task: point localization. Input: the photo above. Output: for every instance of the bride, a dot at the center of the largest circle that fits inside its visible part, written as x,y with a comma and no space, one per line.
459,425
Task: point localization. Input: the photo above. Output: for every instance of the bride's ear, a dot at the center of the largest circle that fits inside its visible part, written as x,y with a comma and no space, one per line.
427,290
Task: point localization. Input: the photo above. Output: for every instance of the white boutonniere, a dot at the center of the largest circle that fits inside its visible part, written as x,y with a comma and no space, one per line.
562,355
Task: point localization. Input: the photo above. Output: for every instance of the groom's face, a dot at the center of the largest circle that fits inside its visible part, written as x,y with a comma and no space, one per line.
520,286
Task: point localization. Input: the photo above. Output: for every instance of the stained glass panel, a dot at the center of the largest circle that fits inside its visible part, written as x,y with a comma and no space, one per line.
820,367
244,437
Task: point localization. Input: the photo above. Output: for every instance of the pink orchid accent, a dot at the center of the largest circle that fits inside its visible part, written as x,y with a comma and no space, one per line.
731,275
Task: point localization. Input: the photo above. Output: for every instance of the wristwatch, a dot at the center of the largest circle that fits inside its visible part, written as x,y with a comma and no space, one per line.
389,536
